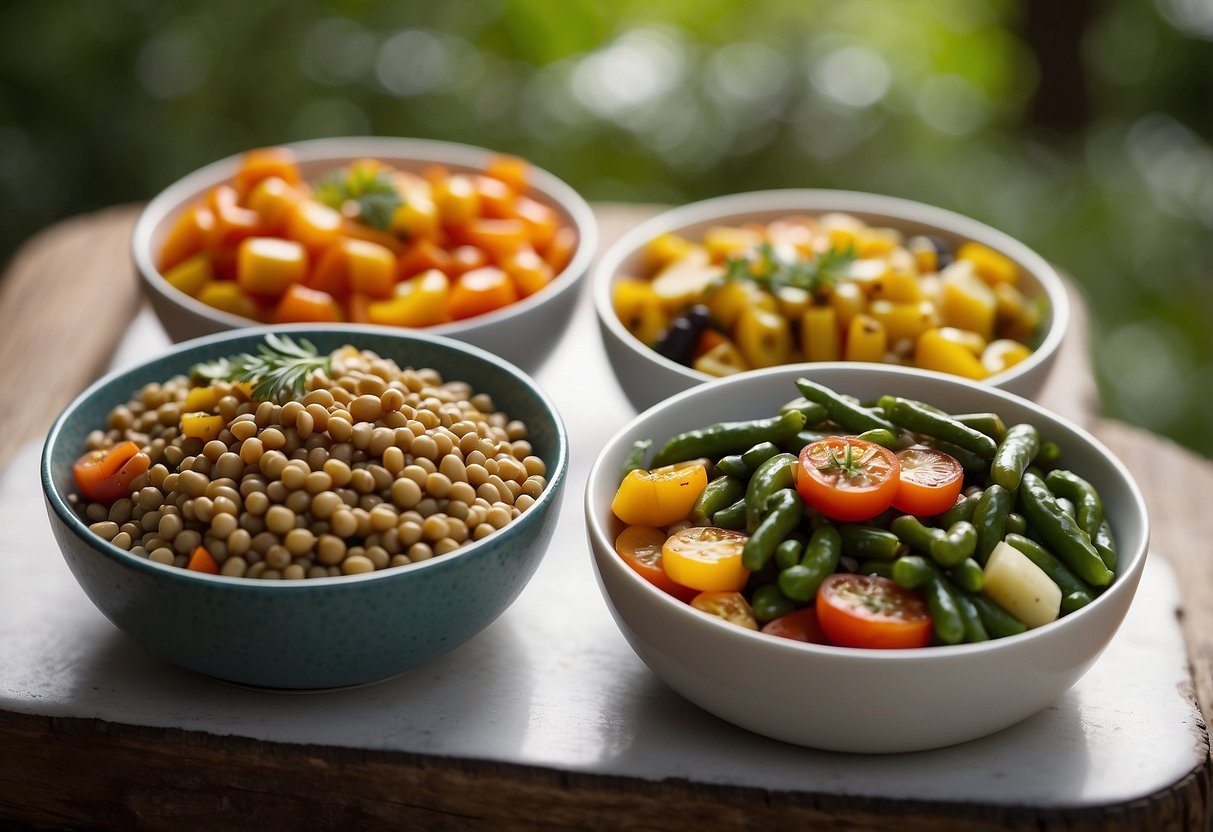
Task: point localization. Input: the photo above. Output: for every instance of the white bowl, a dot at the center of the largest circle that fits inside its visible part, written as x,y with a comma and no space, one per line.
847,699
647,377
523,333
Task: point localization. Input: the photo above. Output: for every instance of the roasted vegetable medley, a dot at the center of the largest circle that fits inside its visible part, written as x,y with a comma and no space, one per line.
883,524
368,243
828,288
289,463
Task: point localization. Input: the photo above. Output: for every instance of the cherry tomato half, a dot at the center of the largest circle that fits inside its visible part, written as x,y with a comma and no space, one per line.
706,558
731,606
640,548
871,611
801,625
105,476
930,481
846,478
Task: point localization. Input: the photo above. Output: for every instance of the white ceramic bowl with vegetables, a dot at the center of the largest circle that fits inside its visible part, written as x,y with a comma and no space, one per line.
997,603
457,240
761,279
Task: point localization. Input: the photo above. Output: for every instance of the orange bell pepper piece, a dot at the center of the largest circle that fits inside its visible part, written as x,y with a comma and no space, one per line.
560,251
512,170
529,271
273,198
497,238
303,305
422,256
466,258
202,561
262,163
314,224
541,222
268,265
233,222
496,198
480,291
188,235
419,301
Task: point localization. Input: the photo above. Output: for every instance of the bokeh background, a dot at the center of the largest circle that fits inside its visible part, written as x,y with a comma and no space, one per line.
1084,127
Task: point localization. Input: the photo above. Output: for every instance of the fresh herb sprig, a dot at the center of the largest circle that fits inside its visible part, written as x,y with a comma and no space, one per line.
278,371
767,268
370,190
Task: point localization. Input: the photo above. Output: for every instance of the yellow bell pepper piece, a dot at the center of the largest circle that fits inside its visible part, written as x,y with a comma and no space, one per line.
685,280
926,259
417,218
659,498
820,334
904,320
727,302
202,426
1015,316
228,297
896,287
639,309
971,341
191,275
268,265
847,300
933,351
372,268
724,241
1003,354
665,249
200,399
966,302
991,266
419,301
877,242
866,340
273,199
724,359
793,302
764,338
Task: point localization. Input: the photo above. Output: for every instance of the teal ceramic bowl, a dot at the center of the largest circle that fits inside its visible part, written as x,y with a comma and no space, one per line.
324,632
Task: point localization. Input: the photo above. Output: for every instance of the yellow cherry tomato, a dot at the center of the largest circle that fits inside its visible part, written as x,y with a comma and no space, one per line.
706,558
659,497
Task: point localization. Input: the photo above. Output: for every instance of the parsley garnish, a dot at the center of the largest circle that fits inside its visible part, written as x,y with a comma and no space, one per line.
279,369
369,190
768,269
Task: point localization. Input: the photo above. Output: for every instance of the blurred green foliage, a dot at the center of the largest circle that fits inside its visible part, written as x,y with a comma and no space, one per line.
673,100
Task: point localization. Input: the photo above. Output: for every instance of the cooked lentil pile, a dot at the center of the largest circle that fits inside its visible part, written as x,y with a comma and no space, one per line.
374,466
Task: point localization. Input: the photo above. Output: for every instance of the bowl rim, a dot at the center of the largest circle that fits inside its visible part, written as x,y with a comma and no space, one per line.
557,471
338,149
1126,573
824,200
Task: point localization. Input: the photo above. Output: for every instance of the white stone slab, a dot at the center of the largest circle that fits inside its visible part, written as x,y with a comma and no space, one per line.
553,683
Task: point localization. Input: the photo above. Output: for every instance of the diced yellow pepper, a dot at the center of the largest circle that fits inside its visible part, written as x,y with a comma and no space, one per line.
191,275
841,230
966,302
925,257
723,241
764,338
228,297
971,341
273,199
991,266
793,301
935,352
419,301
665,249
686,279
1003,354
866,339
1015,315
639,309
721,360
417,218
904,320
200,399
877,242
848,300
457,199
819,334
898,287
727,302
202,426
372,268
268,265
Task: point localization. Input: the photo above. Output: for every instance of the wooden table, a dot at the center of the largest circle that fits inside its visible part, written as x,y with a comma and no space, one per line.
65,304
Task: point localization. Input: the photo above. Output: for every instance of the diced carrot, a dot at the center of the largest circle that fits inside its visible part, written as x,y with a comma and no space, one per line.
268,265
359,309
560,251
512,170
457,199
541,221
262,163
331,273
233,222
435,173
272,198
203,561
466,258
529,271
496,198
421,256
189,234
358,231
480,291
314,224
303,305
497,238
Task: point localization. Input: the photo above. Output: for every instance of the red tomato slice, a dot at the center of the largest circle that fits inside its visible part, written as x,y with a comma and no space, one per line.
930,481
731,606
847,478
871,611
106,476
801,625
640,548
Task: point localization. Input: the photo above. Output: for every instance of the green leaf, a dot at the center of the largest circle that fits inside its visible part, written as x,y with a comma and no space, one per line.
278,371
765,267
372,192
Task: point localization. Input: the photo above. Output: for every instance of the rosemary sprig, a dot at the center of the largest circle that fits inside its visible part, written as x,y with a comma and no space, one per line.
371,191
773,272
278,371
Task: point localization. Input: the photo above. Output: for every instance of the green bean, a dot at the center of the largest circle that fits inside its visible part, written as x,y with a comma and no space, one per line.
917,419
962,509
805,437
850,417
783,513
974,629
1066,505
1016,523
1061,532
768,603
788,553
999,623
971,462
866,542
945,615
719,493
912,571
814,413
728,438
1049,453
882,568
913,533
954,545
1058,572
634,461
800,582
743,465
968,575
777,472
1088,507
880,436
732,517
990,519
1014,454
1105,544
990,424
